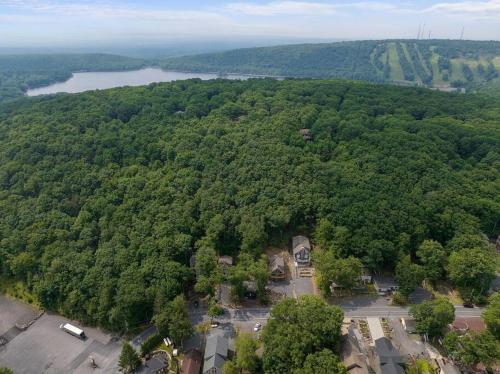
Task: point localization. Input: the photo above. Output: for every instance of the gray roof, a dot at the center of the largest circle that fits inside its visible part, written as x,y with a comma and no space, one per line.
277,263
299,242
215,362
216,344
391,361
301,249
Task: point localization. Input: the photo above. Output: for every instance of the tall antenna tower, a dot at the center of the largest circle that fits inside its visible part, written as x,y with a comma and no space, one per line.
462,33
430,33
419,27
423,29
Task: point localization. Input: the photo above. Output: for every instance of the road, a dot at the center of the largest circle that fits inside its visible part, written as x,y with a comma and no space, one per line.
354,311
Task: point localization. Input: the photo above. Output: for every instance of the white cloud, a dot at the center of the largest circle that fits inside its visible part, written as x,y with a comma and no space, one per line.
109,11
488,9
282,8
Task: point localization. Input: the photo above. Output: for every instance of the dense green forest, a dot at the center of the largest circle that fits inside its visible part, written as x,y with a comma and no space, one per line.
105,195
21,72
424,62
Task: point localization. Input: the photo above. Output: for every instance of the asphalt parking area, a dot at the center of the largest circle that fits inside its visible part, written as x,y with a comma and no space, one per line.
45,348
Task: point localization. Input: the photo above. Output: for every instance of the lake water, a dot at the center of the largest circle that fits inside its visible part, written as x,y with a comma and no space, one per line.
80,82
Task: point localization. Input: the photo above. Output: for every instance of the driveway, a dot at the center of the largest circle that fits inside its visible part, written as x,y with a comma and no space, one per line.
407,344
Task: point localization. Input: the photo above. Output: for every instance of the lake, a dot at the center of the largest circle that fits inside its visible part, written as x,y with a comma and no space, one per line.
80,82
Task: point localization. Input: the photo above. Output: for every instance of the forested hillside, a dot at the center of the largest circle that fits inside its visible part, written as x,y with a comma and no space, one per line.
104,196
20,72
441,63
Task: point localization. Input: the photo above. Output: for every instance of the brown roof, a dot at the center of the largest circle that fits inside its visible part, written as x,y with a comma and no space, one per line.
469,324
356,364
192,362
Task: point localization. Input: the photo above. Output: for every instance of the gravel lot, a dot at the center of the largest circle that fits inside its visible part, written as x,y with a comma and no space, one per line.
45,348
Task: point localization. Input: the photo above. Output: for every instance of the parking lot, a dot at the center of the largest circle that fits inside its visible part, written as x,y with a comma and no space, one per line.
45,348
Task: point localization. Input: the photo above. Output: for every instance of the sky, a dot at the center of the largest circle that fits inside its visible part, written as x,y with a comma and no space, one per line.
33,23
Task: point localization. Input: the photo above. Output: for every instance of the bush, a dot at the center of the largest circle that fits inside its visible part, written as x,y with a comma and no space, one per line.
150,344
399,299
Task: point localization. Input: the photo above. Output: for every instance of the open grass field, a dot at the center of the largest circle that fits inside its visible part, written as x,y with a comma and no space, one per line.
17,290
396,72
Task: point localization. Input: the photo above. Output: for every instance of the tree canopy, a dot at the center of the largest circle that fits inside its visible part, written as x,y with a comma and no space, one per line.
432,317
298,329
105,196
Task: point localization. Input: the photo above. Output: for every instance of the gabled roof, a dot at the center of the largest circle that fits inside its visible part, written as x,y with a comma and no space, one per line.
356,364
215,361
391,361
469,324
192,362
216,344
277,263
299,243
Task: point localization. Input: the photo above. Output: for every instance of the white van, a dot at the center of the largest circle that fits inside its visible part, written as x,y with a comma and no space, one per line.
73,330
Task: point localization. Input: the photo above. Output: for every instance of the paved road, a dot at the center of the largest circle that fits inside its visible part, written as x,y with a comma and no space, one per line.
377,310
394,311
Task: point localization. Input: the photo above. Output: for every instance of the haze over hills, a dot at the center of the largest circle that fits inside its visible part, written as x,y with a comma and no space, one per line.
442,63
445,64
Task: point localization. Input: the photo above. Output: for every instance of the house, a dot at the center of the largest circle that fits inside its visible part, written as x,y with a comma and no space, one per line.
306,134
216,353
277,268
352,358
388,358
409,325
191,364
301,249
464,325
225,261
385,284
356,364
157,364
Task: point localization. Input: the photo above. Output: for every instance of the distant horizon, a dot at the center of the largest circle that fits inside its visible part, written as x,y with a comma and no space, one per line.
169,48
84,23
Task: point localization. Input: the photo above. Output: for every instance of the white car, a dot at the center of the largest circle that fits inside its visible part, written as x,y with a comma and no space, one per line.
257,327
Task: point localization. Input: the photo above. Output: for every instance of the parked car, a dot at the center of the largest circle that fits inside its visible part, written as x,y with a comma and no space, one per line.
468,305
214,324
250,295
257,327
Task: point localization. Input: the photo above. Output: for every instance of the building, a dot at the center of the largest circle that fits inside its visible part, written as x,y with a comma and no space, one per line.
306,134
216,353
301,249
385,284
157,364
277,268
389,359
192,362
409,325
226,261
464,325
352,358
